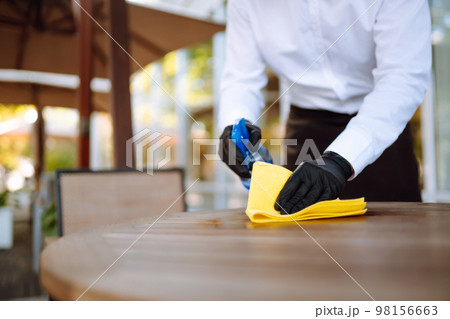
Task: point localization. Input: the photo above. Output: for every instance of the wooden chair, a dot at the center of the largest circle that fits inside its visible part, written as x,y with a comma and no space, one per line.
87,199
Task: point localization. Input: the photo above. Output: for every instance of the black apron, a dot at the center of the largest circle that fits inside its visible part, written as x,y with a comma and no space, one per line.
393,176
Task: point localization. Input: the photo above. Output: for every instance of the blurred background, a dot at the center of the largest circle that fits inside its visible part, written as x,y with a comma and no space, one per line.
50,132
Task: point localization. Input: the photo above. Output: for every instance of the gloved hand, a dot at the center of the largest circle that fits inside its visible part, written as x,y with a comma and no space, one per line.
311,183
231,155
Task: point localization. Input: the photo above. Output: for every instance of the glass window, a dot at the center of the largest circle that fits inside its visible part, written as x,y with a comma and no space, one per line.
440,10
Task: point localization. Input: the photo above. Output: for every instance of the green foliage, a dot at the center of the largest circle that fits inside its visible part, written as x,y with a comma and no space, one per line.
60,153
49,223
4,198
200,74
10,111
13,146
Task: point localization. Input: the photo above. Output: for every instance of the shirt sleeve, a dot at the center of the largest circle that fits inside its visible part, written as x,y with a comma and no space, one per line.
244,74
403,55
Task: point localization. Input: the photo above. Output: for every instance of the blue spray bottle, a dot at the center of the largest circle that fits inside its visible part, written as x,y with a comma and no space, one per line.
240,136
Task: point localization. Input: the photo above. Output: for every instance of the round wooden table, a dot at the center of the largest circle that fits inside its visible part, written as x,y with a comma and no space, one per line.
397,251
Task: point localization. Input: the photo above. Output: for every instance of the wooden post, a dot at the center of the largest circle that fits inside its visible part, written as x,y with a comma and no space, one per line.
85,27
39,137
119,70
40,145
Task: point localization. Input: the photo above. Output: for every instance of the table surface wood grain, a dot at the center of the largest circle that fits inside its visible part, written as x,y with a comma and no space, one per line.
397,251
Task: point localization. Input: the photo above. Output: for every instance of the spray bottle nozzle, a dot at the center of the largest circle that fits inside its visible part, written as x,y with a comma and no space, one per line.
240,136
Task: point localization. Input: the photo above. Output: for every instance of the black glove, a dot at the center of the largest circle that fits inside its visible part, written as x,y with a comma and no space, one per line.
231,155
311,183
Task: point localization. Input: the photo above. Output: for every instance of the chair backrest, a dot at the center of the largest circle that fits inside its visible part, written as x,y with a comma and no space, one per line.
87,199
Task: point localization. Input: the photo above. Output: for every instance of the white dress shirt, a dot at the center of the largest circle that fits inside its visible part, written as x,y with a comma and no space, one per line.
371,57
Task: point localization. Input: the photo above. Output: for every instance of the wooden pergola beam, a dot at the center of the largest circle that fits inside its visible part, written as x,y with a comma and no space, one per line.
39,138
85,106
119,72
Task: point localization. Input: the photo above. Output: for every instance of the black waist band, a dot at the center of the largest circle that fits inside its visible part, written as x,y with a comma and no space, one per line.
319,115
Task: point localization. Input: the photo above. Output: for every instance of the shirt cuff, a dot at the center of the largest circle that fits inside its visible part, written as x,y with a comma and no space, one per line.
356,146
231,110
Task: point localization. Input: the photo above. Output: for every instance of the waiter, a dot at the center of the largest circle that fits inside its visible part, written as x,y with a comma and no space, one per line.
357,71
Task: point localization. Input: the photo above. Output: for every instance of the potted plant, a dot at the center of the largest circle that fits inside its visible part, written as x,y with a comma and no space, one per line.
49,224
6,222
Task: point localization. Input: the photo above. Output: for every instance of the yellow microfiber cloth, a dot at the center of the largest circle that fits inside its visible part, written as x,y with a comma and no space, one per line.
267,182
